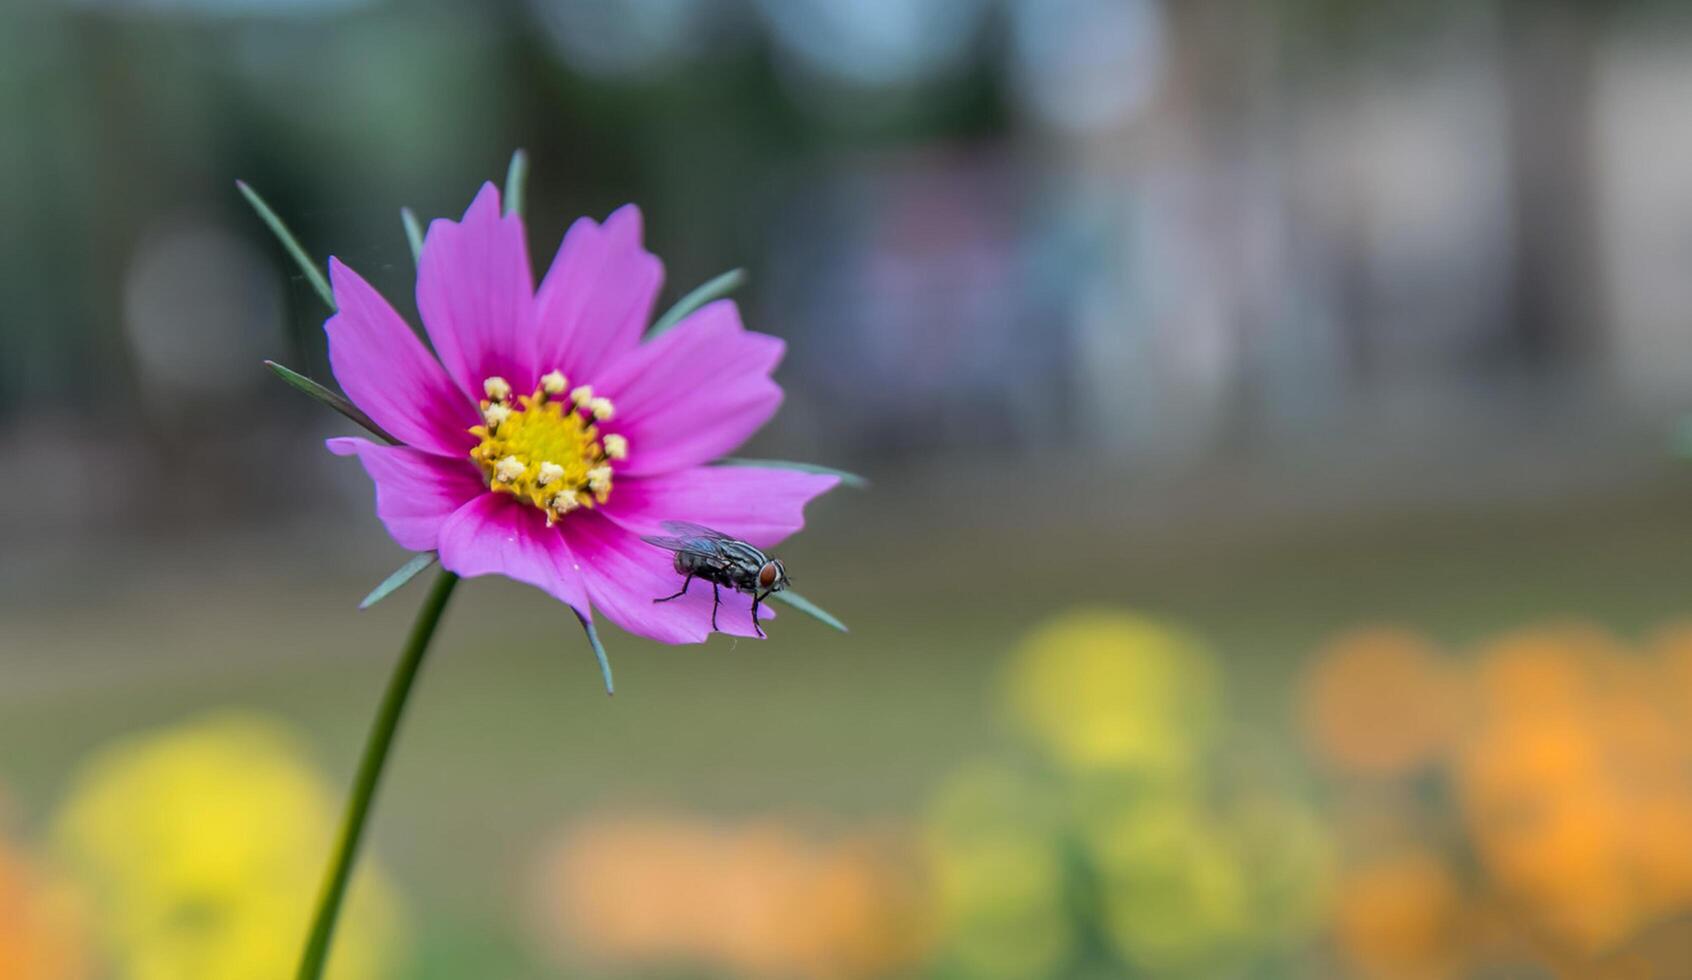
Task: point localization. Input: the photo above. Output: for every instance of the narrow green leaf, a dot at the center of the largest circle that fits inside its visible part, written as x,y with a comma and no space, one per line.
413,234
289,242
414,237
402,575
516,181
809,608
334,401
717,288
849,479
598,650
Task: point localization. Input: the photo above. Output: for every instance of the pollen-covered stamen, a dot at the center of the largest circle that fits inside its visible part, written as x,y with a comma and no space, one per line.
544,451
599,481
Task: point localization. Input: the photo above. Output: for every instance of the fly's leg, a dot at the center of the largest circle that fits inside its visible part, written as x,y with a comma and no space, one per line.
758,597
716,600
678,595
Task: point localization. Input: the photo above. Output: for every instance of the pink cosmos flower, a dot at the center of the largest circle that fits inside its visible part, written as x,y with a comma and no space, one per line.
547,438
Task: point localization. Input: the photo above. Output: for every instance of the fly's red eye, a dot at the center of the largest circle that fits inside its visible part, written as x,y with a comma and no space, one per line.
767,575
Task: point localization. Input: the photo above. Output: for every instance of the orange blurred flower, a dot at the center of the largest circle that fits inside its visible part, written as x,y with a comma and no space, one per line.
40,938
1551,669
1577,785
1671,648
1381,701
1569,758
758,899
1402,917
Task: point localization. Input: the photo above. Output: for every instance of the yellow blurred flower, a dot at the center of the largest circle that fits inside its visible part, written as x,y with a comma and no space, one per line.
1102,689
758,899
1175,896
1381,702
41,926
1402,917
1121,840
200,849
1286,855
999,877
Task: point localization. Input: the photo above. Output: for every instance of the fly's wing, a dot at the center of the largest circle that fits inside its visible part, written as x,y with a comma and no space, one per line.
678,544
731,551
692,538
688,529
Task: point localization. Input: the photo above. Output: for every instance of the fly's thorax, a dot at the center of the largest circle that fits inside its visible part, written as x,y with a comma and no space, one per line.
744,556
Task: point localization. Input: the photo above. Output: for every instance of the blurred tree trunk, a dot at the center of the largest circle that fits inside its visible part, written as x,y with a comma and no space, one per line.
1549,59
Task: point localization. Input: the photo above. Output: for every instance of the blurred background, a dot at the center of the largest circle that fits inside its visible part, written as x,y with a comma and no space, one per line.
1276,563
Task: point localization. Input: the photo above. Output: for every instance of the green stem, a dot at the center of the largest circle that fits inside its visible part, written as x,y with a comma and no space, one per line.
369,775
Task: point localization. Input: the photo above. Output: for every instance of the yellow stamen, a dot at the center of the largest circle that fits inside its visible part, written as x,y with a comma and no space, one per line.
599,481
542,451
560,505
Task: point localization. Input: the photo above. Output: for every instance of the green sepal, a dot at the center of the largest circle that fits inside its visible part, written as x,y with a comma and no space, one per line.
809,608
413,234
516,181
849,479
402,575
717,288
337,402
289,242
598,650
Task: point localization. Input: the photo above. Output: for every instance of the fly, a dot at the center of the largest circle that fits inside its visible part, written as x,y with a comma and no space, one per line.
721,560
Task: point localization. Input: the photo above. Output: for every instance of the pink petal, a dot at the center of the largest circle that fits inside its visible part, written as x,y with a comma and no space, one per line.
387,371
415,492
495,535
693,394
756,504
624,574
597,298
475,292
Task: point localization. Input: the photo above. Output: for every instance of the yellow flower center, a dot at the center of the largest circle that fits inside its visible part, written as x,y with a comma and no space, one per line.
545,449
